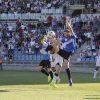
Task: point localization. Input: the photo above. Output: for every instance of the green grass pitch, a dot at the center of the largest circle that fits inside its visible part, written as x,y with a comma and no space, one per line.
28,85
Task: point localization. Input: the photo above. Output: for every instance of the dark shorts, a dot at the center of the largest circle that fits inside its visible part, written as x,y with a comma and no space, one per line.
45,63
66,55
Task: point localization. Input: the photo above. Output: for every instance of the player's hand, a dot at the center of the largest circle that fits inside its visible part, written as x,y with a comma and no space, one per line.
67,20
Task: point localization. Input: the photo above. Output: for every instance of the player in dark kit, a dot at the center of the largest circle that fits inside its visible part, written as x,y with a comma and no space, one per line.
45,65
67,48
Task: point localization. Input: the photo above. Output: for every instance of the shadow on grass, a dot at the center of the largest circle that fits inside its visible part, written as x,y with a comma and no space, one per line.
92,97
4,91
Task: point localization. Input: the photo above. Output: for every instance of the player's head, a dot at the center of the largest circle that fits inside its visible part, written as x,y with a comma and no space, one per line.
66,33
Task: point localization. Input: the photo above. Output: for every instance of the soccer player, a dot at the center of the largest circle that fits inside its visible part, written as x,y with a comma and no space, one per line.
58,65
97,65
45,65
68,47
56,57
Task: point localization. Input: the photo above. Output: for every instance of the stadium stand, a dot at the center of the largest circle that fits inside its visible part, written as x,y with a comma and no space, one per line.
28,21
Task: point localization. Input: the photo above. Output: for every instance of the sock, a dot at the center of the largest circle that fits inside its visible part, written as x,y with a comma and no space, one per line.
51,74
95,73
54,79
56,74
45,72
54,70
68,73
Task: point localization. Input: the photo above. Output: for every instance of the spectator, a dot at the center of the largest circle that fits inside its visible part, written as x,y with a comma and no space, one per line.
36,48
49,19
10,28
89,36
93,47
81,54
88,54
11,48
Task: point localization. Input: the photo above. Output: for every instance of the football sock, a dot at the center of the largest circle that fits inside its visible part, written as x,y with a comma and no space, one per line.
68,73
56,74
54,78
95,73
45,72
51,74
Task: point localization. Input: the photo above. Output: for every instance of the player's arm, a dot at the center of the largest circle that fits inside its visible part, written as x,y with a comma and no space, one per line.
44,41
68,24
56,43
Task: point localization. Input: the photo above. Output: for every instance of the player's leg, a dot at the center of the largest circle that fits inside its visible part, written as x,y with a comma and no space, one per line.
48,66
57,72
53,67
55,47
42,68
66,56
95,73
55,77
66,62
96,69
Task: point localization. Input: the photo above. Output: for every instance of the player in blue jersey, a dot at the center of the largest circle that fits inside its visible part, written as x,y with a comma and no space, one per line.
45,65
67,48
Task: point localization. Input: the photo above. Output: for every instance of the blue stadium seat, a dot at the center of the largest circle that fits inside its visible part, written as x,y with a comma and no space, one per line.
95,59
30,58
91,59
15,58
38,57
19,58
87,59
83,59
23,57
34,57
19,52
26,57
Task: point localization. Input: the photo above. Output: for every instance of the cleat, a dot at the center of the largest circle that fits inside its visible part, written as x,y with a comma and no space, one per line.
49,78
53,84
70,82
58,80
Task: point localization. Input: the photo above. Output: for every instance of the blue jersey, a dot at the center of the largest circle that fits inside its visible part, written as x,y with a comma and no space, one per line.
45,56
69,43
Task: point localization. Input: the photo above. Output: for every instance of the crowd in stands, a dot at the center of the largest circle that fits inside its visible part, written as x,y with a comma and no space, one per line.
88,30
83,2
26,36
24,6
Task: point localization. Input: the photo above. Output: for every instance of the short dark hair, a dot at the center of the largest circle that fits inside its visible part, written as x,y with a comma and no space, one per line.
67,30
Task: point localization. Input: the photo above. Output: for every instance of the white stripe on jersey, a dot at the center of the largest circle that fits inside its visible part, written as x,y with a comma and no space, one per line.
68,42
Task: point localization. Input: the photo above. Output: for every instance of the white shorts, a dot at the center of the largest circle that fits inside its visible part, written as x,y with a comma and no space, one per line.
58,59
98,63
53,64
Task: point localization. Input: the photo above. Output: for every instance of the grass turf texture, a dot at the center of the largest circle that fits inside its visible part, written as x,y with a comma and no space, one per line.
28,85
